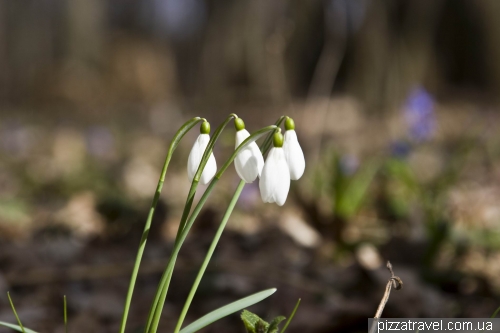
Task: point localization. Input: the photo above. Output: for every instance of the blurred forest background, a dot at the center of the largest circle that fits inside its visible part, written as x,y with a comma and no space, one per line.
396,108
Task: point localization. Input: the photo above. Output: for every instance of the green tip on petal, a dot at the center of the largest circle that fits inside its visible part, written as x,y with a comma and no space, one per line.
278,140
239,124
289,124
205,127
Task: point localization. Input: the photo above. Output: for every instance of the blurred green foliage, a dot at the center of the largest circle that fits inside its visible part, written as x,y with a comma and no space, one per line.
254,324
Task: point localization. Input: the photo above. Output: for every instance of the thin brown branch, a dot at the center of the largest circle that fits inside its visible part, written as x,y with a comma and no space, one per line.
394,282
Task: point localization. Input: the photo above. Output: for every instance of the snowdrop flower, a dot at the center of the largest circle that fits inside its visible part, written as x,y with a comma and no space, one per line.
275,179
196,155
293,152
249,161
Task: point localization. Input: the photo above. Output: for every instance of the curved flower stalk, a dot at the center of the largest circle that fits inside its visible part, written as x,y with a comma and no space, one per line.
196,155
275,179
157,305
293,152
159,301
249,162
173,145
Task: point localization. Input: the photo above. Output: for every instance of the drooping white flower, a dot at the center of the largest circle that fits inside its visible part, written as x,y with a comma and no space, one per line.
275,178
293,152
196,155
249,161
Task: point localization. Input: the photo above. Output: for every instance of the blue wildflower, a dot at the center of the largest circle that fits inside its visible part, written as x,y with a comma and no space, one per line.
419,114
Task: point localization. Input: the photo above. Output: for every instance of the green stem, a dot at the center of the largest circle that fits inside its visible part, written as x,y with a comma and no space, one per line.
167,275
15,313
210,252
291,316
267,142
65,315
171,261
154,321
173,145
265,147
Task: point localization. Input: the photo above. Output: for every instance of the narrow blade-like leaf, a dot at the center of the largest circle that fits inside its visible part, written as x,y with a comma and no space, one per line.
16,327
227,310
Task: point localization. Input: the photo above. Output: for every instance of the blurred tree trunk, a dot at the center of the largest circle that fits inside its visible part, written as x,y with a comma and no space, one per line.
4,75
490,10
28,45
85,19
243,51
394,51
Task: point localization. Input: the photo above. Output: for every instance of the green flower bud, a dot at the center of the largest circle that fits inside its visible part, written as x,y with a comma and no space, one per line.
239,124
278,140
205,128
289,124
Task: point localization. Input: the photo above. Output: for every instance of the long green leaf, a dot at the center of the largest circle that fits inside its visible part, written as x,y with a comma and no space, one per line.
227,310
16,327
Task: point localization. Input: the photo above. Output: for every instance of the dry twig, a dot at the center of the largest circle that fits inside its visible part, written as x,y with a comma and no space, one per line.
394,282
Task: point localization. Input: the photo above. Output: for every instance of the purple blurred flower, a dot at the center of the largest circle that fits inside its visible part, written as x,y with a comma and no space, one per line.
179,19
419,114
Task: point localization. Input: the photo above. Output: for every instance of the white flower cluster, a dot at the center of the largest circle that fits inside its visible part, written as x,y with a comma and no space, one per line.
284,162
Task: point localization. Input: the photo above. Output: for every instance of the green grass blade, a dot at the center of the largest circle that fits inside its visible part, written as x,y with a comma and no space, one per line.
16,328
291,316
15,313
65,315
494,315
227,310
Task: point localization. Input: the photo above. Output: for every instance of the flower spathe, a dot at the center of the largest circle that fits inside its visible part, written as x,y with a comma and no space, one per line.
196,155
249,161
293,151
275,178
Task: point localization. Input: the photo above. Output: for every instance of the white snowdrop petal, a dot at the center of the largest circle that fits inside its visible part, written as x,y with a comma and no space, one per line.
241,136
266,184
275,179
246,166
259,159
195,157
294,155
282,180
249,161
209,171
